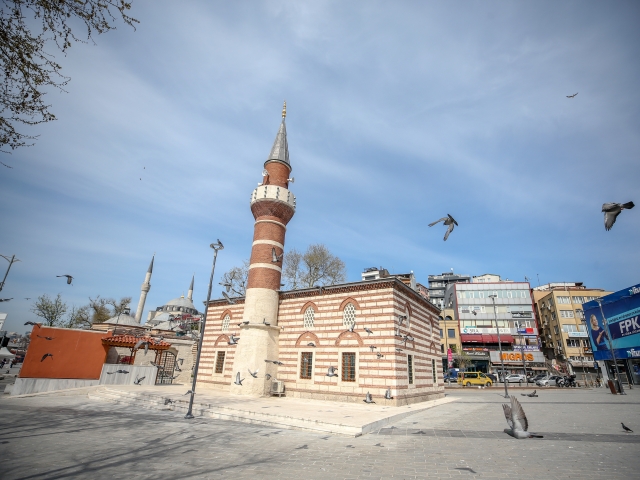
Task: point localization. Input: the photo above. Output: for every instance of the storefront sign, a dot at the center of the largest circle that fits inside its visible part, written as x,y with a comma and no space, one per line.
506,331
521,314
527,348
516,357
475,349
578,335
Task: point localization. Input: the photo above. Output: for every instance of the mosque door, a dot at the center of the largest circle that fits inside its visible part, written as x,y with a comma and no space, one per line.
168,364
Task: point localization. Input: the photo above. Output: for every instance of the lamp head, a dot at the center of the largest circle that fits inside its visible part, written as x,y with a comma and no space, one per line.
217,246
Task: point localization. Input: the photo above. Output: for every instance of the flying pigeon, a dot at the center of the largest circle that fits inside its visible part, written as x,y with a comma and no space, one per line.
188,392
398,350
267,376
573,96
45,356
140,344
611,212
5,299
448,220
180,360
244,323
69,278
238,379
117,371
27,298
226,285
157,366
372,347
224,294
275,258
379,355
33,323
387,394
331,372
138,380
276,362
311,344
368,399
402,318
233,340
626,429
177,368
46,338
532,394
517,420
253,374
368,331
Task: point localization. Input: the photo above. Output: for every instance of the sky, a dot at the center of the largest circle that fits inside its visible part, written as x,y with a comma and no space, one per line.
398,113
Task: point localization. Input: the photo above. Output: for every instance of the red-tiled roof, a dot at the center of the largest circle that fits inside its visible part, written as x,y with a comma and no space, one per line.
131,340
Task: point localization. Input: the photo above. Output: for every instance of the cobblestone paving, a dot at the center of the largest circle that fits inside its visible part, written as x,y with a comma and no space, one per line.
57,437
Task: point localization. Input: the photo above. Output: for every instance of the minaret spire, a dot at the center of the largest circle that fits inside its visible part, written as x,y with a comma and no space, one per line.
190,292
144,289
280,150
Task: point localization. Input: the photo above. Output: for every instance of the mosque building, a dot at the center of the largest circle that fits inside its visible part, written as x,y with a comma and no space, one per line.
340,342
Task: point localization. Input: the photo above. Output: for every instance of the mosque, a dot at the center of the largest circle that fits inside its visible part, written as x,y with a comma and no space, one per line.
338,342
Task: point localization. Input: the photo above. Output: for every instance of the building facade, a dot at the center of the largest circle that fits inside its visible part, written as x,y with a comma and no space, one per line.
514,316
564,335
439,283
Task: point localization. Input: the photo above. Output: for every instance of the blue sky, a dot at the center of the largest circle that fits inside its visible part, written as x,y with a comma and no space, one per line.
398,113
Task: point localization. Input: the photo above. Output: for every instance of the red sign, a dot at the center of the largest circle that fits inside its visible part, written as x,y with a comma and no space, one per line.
450,357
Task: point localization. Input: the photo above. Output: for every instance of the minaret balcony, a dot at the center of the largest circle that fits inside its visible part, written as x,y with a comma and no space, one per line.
273,192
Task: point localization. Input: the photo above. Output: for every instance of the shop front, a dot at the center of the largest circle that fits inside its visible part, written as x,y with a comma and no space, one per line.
533,362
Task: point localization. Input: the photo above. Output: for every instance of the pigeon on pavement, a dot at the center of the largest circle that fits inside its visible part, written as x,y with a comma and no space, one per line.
611,212
387,394
517,420
368,399
448,220
532,394
626,429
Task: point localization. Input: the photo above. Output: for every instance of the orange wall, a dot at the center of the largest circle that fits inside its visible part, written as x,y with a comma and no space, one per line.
76,354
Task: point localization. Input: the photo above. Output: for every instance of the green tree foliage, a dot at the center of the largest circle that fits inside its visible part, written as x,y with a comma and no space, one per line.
30,31
51,310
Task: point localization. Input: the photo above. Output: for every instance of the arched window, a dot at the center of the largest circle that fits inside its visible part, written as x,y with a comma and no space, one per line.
309,316
225,323
349,315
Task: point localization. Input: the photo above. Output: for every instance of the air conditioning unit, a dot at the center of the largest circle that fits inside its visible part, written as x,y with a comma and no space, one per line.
277,387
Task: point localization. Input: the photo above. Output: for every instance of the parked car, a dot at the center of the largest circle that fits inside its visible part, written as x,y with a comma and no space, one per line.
540,376
516,378
548,381
492,376
474,378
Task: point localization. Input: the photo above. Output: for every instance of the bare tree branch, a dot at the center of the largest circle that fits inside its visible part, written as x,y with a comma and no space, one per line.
50,310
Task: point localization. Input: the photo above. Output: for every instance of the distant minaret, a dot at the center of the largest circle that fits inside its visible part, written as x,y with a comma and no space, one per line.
272,205
146,286
190,292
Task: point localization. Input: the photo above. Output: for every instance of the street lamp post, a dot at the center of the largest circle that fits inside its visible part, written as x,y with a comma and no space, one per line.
446,345
524,365
613,354
216,247
11,262
504,377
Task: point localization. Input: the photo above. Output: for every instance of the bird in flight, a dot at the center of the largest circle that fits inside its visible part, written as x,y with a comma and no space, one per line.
532,394
167,401
188,392
233,340
448,220
46,338
379,355
611,212
224,294
253,374
517,420
368,331
372,347
45,356
402,318
118,371
27,298
626,429
244,323
226,285
69,278
276,258
138,380
267,376
572,96
368,399
140,344
276,362
238,379
5,299
331,372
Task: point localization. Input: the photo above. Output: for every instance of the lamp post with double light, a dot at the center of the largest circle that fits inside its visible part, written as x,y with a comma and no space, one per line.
216,248
495,315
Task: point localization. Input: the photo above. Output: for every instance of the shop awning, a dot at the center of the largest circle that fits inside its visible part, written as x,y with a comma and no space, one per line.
484,338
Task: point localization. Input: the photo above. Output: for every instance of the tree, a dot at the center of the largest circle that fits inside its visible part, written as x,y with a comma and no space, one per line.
237,278
50,310
462,360
28,67
79,317
317,266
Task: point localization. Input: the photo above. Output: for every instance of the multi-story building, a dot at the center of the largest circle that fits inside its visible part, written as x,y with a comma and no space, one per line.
564,334
374,273
438,284
473,311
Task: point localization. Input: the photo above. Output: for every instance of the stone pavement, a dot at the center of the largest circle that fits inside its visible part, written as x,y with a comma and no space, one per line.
74,437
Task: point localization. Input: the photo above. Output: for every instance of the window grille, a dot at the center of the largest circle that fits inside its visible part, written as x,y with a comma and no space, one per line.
410,363
220,362
225,323
434,372
349,315
309,316
306,365
348,367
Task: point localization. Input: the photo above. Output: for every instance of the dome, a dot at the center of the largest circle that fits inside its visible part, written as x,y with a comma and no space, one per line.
182,304
124,320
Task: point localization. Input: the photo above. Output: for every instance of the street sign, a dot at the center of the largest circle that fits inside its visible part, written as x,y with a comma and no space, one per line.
595,365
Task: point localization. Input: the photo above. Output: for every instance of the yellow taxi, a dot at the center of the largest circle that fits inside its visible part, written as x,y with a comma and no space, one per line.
474,378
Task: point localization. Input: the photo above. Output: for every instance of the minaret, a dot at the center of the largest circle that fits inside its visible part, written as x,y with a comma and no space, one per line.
190,292
144,289
272,205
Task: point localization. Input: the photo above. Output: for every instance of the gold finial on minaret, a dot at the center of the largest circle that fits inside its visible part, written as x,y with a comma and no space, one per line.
284,109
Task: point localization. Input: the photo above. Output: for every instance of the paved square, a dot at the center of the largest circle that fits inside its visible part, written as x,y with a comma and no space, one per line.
56,436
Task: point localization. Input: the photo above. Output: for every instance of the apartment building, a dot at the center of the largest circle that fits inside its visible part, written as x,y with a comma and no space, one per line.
439,283
564,335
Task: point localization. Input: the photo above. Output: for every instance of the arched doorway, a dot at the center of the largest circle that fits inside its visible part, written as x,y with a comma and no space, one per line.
167,365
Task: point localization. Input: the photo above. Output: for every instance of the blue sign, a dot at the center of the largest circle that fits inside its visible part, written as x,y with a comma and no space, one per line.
622,328
595,365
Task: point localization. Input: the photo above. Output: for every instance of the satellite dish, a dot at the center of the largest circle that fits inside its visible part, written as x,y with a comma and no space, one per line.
265,173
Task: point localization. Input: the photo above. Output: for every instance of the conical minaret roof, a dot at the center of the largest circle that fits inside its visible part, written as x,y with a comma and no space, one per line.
280,149
150,269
